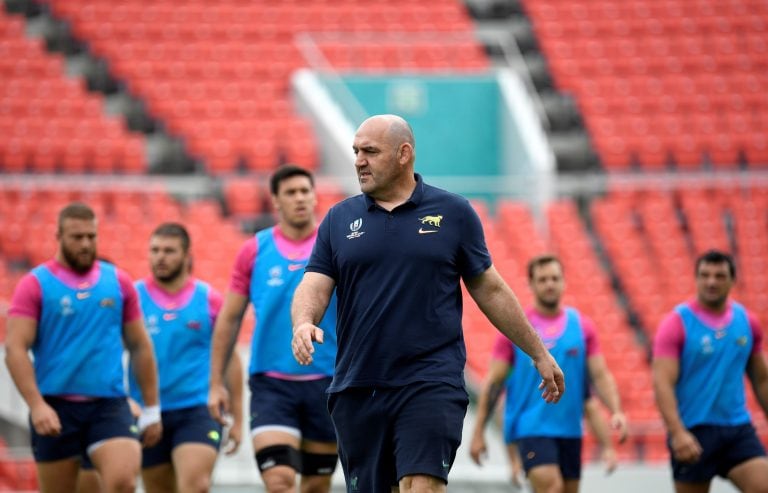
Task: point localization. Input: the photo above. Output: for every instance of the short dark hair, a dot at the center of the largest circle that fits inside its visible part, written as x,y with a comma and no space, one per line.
540,260
287,171
76,210
716,257
174,230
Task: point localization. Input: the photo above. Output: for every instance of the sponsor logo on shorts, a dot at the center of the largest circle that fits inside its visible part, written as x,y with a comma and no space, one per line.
353,484
214,436
134,429
267,464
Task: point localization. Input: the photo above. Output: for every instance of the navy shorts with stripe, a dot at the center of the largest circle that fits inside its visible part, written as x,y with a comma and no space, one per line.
540,451
723,448
180,426
298,404
388,433
83,423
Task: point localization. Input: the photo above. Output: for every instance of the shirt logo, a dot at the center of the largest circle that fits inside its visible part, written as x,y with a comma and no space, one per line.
152,327
742,341
194,325
275,277
355,226
295,267
107,303
168,316
706,345
81,295
432,222
66,306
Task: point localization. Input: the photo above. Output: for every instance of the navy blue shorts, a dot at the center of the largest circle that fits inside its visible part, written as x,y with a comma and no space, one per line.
299,407
388,433
724,447
186,425
540,451
83,423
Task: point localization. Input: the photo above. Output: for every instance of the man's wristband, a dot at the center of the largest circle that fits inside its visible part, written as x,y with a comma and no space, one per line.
149,416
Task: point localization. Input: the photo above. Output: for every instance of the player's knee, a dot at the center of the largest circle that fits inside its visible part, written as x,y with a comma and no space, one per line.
200,483
421,483
278,465
279,480
121,483
315,484
318,464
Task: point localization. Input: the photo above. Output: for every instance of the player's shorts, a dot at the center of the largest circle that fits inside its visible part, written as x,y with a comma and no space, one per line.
298,407
723,448
83,424
540,451
388,433
180,426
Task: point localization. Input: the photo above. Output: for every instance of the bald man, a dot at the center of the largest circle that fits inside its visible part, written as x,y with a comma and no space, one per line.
395,255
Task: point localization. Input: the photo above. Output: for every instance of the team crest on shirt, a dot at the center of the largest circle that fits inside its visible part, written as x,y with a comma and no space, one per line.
194,325
430,224
354,227
107,303
742,341
66,306
275,277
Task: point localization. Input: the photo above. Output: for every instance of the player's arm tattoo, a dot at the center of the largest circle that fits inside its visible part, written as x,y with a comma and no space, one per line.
494,392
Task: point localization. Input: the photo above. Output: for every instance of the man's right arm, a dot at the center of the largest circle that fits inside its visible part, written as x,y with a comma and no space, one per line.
225,334
486,403
19,338
310,300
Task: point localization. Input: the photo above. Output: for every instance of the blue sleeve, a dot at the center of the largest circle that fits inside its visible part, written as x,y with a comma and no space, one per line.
321,260
474,258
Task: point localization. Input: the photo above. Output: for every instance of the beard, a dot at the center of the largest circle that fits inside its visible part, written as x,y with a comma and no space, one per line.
171,275
549,304
76,261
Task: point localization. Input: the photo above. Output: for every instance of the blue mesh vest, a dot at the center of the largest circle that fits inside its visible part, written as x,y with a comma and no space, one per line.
182,342
273,282
526,414
710,387
79,345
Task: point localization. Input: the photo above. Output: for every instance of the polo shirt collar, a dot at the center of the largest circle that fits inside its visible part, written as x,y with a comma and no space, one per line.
415,198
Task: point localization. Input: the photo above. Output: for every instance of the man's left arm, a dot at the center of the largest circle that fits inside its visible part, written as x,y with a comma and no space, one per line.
500,305
605,385
142,355
234,381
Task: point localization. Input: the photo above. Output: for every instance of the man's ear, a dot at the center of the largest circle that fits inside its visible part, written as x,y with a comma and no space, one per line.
404,153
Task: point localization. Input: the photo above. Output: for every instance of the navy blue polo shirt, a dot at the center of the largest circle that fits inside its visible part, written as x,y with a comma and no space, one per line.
397,279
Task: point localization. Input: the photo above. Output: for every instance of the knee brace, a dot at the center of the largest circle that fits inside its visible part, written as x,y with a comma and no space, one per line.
318,464
278,455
